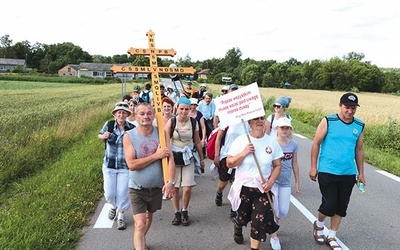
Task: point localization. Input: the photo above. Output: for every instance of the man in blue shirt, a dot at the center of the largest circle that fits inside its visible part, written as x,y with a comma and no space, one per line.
207,108
338,152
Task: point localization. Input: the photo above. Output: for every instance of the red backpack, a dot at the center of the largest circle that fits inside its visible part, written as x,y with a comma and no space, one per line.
210,150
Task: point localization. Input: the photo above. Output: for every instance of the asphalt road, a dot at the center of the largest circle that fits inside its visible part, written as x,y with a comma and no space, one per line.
372,221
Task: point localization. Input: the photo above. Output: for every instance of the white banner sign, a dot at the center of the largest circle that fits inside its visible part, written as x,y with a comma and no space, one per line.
244,103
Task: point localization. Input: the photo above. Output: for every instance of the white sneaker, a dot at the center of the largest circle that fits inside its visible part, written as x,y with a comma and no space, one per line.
275,244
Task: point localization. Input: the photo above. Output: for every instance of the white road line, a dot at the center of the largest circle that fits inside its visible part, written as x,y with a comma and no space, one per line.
391,176
312,218
103,221
300,136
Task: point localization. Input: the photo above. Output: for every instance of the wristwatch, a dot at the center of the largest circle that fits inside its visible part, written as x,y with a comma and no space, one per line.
171,182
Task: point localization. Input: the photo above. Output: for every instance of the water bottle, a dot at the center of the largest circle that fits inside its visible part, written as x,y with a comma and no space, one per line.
361,187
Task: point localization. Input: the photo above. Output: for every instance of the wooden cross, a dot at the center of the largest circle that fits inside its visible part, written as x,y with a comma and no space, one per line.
152,52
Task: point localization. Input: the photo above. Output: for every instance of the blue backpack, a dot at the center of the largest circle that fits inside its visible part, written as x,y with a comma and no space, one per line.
146,96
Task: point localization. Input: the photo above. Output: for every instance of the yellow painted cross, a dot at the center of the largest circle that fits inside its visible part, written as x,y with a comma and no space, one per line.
154,70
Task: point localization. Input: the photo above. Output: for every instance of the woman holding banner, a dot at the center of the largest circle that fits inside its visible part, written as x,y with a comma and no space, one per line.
253,154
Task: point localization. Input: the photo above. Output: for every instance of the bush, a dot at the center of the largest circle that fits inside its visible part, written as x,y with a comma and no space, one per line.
386,138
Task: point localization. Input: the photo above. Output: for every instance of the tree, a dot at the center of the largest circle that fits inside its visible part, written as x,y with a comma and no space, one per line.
61,54
251,73
101,59
276,75
5,48
22,50
354,56
232,59
293,62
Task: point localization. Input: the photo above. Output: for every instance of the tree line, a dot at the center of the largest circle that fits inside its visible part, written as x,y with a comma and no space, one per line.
349,73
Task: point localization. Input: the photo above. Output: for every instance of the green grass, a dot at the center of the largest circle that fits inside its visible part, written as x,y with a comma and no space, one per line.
49,208
50,169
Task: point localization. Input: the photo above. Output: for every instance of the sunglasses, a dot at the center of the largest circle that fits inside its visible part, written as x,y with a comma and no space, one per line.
125,105
255,119
277,106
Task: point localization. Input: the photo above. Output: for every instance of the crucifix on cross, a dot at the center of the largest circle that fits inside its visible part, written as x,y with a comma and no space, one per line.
154,70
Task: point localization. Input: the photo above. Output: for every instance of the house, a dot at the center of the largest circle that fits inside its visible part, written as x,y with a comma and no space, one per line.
93,70
69,70
203,74
7,65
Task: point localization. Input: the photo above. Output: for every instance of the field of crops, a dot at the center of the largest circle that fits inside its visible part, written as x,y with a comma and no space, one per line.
374,108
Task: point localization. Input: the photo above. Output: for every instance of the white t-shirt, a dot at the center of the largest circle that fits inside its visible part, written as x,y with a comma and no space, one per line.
233,132
267,149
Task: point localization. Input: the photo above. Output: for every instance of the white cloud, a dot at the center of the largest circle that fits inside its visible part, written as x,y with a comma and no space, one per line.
261,29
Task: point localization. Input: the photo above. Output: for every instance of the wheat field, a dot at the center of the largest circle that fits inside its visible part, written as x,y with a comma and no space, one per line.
374,108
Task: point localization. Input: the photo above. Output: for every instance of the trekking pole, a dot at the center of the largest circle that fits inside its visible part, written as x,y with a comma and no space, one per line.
261,175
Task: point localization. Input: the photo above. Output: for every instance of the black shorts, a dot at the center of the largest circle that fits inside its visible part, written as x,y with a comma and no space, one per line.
336,191
223,171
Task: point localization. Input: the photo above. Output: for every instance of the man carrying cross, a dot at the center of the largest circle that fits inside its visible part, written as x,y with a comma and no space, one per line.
145,156
146,176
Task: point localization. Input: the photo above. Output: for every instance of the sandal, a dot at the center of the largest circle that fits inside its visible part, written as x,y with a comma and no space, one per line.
332,243
318,238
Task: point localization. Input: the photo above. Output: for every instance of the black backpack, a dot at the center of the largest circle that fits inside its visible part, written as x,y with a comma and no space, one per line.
173,125
111,124
272,119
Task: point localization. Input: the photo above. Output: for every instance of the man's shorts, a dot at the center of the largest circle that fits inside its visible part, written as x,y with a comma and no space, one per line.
145,199
336,191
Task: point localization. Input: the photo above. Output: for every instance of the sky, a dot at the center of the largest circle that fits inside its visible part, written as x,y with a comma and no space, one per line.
261,29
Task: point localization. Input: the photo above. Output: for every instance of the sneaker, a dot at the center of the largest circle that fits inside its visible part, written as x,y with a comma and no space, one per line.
178,219
185,218
275,244
121,224
218,199
112,213
232,215
238,234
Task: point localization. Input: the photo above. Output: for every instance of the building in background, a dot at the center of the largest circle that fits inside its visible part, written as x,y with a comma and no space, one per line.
7,65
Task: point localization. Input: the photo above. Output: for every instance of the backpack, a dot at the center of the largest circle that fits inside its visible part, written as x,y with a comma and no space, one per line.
110,128
173,125
145,96
210,150
272,119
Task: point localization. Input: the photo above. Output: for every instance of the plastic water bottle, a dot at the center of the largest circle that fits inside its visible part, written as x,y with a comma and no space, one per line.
361,187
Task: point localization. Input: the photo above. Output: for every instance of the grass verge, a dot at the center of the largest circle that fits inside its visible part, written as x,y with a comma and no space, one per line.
49,209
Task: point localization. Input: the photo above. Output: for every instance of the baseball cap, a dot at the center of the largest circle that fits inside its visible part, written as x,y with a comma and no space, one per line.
193,101
349,99
283,122
226,87
203,85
